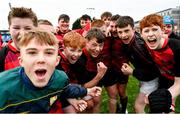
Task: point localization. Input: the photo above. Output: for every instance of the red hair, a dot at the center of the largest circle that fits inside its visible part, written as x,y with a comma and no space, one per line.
150,20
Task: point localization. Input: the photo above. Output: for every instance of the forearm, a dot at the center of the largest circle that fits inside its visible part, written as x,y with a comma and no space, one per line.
74,91
93,82
175,88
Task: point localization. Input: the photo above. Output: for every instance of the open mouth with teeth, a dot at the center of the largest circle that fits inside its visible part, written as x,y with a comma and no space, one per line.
125,39
96,53
40,73
152,41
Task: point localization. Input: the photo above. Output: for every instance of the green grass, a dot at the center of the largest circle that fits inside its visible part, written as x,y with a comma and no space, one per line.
132,90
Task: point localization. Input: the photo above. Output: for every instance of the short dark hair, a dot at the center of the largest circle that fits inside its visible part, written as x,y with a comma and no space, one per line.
65,17
95,33
124,21
115,17
106,14
85,17
22,12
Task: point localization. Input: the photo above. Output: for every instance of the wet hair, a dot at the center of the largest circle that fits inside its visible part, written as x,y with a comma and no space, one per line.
95,33
85,17
97,23
150,20
124,21
65,17
22,12
74,39
41,36
44,22
106,14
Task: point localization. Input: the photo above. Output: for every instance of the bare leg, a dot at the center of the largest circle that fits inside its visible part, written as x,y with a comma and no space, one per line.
97,102
140,103
69,109
112,93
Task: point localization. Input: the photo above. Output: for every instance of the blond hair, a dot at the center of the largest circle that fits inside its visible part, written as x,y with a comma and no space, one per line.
41,36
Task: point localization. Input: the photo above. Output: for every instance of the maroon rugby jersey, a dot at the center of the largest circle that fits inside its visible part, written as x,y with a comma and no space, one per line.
11,60
67,67
164,58
105,55
118,57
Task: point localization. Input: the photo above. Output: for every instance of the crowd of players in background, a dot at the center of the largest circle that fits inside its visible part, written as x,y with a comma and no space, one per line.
99,52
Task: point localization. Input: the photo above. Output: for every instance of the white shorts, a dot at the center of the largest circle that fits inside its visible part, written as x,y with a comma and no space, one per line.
148,87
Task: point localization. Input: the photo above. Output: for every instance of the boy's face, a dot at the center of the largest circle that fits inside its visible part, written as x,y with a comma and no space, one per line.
168,28
106,20
63,25
19,25
152,36
104,29
39,62
112,28
93,47
84,22
72,54
126,34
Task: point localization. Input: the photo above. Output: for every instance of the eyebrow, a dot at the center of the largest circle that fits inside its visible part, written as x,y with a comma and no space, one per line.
48,49
30,49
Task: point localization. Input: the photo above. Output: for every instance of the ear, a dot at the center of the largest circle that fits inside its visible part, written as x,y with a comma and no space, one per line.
57,60
20,60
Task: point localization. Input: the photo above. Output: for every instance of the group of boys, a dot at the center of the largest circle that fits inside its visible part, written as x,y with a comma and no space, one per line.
101,58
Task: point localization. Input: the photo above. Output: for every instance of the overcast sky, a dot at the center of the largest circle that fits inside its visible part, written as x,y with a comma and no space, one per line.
51,9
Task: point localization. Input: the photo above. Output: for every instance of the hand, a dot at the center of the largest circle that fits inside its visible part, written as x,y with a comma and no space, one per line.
94,91
79,105
101,69
126,69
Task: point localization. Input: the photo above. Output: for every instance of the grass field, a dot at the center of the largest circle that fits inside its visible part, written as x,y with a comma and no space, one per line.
131,92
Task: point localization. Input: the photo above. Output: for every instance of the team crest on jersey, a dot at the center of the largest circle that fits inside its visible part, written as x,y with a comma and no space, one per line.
24,112
53,99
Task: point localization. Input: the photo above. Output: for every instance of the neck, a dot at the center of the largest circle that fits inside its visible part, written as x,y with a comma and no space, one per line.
15,46
161,43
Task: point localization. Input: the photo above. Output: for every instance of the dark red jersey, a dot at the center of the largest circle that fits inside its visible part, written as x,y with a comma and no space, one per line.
80,31
86,67
118,56
67,67
166,59
11,59
105,55
60,36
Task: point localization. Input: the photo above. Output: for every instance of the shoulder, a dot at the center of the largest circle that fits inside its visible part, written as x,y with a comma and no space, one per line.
60,73
174,44
10,73
139,39
60,77
9,79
